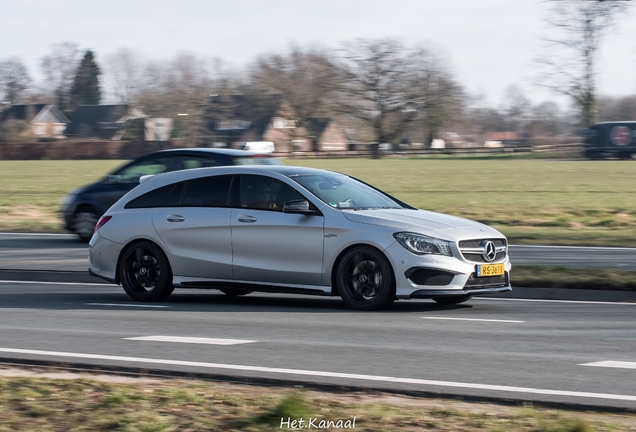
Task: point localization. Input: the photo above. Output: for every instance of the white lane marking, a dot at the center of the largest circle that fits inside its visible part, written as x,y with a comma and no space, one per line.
324,374
191,340
56,283
624,303
612,364
473,319
127,305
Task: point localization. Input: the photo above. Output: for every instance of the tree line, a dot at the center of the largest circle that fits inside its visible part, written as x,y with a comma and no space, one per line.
380,90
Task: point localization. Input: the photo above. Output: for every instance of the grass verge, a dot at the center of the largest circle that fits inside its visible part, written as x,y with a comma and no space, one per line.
32,400
575,278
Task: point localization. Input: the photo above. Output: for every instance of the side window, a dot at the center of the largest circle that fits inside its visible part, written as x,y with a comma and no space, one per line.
189,162
259,192
166,196
207,192
131,173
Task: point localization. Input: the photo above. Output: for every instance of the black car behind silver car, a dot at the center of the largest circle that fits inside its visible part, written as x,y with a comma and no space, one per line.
82,207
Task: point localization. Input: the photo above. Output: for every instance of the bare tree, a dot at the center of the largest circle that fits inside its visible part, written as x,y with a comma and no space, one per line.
177,88
59,70
124,75
438,96
517,108
305,79
568,65
375,88
14,80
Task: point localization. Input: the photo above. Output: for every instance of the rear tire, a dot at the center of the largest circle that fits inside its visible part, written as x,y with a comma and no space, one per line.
451,300
145,273
364,279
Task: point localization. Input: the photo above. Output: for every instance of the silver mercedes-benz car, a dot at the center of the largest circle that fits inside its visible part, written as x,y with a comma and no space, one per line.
287,229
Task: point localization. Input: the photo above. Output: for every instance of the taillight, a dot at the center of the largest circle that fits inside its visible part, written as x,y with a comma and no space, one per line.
101,222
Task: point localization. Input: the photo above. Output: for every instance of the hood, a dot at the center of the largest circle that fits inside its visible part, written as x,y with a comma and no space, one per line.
429,223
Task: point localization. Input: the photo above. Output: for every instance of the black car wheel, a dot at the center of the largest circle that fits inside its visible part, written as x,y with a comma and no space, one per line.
365,280
451,300
84,222
145,273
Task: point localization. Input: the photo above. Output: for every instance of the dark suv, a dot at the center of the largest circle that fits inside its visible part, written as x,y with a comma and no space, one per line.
82,207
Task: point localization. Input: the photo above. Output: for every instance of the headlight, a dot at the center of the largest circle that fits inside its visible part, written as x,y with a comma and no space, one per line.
421,244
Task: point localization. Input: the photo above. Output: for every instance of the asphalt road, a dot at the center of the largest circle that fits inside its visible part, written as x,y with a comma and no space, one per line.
580,353
64,252
502,348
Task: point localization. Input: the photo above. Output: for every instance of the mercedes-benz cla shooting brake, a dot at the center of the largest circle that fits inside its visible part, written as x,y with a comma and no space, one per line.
291,230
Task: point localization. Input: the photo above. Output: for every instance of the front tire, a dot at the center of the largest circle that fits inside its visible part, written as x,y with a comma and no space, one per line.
451,300
364,279
145,273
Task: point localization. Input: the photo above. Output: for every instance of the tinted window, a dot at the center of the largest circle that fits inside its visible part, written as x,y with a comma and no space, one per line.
131,173
189,162
257,160
166,196
259,192
207,192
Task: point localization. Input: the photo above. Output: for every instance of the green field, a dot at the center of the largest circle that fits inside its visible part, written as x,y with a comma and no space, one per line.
538,201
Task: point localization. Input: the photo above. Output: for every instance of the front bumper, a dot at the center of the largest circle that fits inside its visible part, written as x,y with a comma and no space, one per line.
426,276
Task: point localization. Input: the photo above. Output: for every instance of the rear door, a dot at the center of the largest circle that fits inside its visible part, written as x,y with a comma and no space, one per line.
197,232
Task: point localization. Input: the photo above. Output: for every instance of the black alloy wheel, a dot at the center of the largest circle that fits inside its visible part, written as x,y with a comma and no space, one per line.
365,280
451,300
145,273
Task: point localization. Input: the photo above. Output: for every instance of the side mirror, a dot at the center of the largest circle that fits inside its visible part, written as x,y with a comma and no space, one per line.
299,206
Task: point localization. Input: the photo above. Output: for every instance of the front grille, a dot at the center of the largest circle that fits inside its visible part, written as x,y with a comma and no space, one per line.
488,281
429,277
473,250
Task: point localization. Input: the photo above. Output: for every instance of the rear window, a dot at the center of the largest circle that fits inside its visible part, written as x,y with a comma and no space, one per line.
166,196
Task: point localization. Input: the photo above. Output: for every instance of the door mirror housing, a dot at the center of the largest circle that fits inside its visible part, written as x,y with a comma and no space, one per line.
298,206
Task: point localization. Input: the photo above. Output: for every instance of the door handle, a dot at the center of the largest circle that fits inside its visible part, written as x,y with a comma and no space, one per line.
175,218
246,219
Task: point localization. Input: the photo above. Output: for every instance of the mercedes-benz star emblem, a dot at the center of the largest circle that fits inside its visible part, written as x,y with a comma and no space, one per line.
490,253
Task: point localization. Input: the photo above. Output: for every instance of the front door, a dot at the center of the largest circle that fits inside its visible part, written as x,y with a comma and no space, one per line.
272,246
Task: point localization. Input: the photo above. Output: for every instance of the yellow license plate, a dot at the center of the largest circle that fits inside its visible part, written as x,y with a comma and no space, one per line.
490,270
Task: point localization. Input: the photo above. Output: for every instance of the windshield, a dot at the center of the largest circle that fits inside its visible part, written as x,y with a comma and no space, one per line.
345,193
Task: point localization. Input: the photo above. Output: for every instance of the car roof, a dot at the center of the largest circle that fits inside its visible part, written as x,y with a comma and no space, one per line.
158,180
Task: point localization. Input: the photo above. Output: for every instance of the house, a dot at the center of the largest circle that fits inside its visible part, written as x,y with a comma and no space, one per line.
44,120
111,122
231,120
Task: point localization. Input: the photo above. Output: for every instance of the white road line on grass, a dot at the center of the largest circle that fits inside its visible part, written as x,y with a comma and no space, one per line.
324,374
473,319
191,340
612,364
127,305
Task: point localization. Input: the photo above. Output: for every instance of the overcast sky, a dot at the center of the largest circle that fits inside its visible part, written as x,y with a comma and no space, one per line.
490,43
